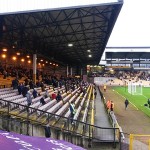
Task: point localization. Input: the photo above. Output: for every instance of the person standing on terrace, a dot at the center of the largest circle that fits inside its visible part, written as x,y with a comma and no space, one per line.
105,87
72,110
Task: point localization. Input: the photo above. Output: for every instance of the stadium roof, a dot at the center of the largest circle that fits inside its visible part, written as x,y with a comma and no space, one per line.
127,55
49,32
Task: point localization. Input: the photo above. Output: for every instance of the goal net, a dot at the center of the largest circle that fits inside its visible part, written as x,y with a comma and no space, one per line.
135,88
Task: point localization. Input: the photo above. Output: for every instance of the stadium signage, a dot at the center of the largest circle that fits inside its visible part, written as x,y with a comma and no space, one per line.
13,141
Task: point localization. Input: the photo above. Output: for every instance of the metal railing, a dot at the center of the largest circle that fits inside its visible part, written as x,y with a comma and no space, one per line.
63,125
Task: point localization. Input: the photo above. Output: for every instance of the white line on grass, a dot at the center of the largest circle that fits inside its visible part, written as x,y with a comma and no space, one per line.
144,96
128,100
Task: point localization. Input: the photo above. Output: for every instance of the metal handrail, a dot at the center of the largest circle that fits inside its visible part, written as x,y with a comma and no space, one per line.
49,116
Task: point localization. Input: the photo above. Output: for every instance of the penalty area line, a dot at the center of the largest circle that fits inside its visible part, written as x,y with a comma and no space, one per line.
128,100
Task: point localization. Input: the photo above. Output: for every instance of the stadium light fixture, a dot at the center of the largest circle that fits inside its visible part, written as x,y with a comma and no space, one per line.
70,45
90,55
18,53
28,56
13,46
4,49
3,55
22,60
14,58
88,50
29,61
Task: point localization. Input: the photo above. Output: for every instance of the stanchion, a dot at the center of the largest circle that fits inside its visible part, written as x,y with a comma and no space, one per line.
27,120
8,117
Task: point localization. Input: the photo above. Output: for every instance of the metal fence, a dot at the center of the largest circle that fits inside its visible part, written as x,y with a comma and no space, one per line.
22,122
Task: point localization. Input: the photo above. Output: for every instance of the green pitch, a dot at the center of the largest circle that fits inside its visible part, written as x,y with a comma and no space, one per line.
137,100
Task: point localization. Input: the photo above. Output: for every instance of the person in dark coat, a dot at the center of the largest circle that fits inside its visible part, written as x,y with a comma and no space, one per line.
25,89
126,103
34,93
20,87
112,106
58,97
42,101
47,131
95,93
15,83
31,84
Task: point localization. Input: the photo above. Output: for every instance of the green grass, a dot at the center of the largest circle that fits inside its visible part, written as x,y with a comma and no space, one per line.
137,100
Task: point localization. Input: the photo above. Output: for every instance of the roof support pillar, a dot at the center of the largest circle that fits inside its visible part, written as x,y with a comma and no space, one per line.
67,70
71,71
81,72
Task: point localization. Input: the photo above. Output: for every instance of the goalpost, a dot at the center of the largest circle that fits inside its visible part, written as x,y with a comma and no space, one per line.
135,88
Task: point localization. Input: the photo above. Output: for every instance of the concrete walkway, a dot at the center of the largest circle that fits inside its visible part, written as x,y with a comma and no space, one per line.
102,120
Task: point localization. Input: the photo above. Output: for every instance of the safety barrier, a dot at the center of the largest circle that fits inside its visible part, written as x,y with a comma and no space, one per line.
138,141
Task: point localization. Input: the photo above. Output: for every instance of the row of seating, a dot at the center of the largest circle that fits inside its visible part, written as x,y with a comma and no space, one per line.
52,107
79,108
6,89
5,94
81,99
67,115
66,106
35,102
88,104
49,105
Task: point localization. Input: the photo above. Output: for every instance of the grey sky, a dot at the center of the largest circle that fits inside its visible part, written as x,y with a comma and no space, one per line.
132,27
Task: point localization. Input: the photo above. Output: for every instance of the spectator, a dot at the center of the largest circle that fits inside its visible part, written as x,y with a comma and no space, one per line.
29,99
53,95
5,74
108,104
20,87
25,89
47,94
42,87
15,83
42,101
95,93
34,93
31,84
72,110
58,97
112,106
47,132
38,83
105,87
126,104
